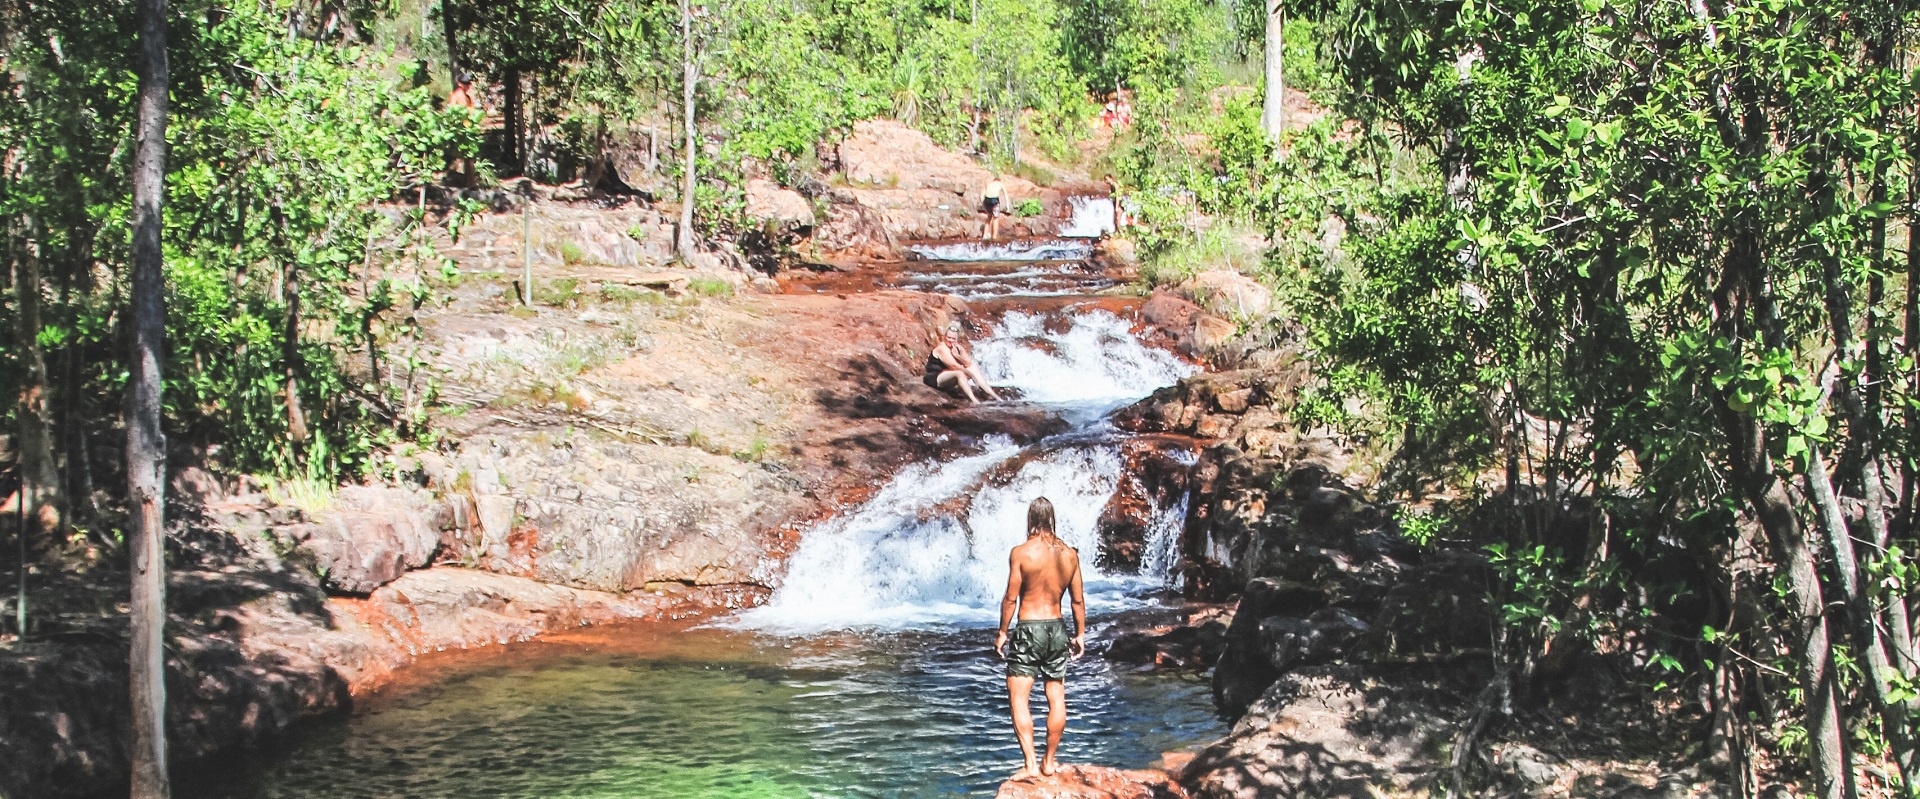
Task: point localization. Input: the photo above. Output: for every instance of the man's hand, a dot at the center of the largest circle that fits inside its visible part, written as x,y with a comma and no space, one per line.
1079,645
1000,644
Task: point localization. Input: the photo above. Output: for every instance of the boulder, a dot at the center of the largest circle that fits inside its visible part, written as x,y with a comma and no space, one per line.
1325,733
1170,312
1208,335
369,537
1093,782
769,202
1229,294
1244,670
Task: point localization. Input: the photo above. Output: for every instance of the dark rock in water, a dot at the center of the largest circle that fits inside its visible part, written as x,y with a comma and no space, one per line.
1195,643
1093,782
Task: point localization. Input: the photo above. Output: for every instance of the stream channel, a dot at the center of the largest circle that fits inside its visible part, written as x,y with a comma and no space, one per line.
870,672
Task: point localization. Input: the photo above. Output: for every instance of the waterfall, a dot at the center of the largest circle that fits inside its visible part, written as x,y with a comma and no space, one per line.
1092,217
930,548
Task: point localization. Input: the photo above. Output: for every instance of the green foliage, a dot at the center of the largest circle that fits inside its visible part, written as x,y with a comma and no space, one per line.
1127,44
1028,207
280,269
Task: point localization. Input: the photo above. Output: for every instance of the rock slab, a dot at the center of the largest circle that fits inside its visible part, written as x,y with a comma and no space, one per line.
1094,782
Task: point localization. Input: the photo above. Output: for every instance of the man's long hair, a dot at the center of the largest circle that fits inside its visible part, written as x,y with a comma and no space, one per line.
1040,516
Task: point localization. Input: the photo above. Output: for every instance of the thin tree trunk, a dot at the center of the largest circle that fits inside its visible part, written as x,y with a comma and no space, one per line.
689,79
515,157
1273,115
40,490
146,442
290,353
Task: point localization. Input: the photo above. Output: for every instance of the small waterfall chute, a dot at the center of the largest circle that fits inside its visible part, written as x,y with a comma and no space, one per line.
1092,217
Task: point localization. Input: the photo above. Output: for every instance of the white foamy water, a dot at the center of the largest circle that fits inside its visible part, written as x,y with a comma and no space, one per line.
930,549
1013,250
1092,218
1097,360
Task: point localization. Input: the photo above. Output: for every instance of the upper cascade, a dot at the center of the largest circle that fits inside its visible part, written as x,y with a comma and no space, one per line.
1010,250
930,548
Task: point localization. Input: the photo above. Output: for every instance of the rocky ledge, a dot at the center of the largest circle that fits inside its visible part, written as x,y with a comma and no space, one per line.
1094,782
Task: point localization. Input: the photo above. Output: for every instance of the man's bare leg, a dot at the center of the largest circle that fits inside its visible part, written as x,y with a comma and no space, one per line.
1056,723
1018,691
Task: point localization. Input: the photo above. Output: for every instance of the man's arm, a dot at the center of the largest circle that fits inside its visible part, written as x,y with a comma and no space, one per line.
1079,609
1008,604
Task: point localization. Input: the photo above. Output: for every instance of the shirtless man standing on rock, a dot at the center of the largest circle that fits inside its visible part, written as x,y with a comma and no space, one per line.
1039,571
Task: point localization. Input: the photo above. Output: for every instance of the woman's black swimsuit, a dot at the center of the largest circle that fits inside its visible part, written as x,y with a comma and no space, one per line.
934,368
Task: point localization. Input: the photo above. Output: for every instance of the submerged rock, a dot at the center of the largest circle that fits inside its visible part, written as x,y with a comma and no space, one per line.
1093,782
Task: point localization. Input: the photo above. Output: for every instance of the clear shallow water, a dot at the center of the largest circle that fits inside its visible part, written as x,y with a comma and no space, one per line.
715,713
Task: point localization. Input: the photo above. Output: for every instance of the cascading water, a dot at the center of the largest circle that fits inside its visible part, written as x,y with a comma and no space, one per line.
1013,250
1092,217
930,548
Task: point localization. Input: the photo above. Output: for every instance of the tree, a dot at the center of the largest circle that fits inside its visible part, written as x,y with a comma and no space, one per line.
690,159
146,443
1273,114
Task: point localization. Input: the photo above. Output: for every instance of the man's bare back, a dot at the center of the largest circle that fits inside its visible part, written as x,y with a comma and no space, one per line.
1045,568
1039,646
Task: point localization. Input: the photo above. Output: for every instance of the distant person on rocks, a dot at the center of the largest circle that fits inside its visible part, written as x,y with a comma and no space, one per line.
990,203
462,94
460,172
951,363
1039,645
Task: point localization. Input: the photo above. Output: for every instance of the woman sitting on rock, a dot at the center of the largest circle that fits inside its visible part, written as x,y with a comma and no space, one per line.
951,362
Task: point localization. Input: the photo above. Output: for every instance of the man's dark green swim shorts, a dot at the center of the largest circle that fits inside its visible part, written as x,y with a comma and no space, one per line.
1039,648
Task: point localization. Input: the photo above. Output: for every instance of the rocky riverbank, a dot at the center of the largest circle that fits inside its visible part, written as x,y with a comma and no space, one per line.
1353,662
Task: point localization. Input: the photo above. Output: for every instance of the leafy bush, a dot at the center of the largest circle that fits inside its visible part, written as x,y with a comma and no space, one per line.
1028,207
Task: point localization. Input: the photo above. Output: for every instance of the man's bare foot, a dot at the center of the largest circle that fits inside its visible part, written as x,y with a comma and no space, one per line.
1025,773
1048,767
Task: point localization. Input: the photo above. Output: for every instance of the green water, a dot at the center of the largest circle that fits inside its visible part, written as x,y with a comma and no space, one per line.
711,713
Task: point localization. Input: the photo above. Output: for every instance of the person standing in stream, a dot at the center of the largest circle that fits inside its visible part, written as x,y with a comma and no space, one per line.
990,202
1039,571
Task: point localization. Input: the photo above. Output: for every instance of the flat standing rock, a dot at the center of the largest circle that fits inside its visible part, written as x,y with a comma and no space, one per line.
1094,782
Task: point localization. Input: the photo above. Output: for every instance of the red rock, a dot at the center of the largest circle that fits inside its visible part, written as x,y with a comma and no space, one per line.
1094,782
1168,311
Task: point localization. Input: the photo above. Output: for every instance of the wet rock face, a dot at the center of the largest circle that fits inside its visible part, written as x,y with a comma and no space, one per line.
1094,782
1158,474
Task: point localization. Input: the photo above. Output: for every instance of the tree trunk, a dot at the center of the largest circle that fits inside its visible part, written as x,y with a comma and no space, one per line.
453,42
516,159
290,353
146,443
1744,306
689,80
40,490
1273,115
